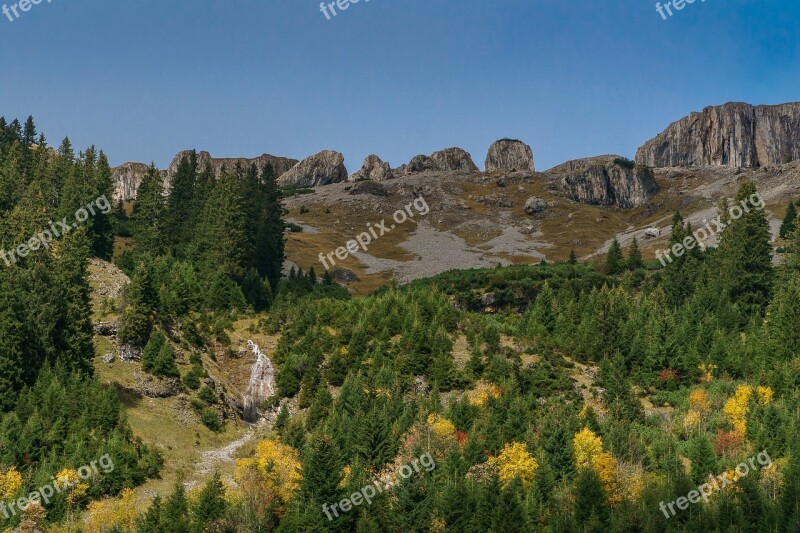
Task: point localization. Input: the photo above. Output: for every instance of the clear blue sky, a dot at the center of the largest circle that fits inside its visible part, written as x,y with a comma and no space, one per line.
146,78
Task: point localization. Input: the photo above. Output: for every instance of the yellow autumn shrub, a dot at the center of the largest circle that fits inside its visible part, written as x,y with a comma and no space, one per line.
482,392
441,426
515,462
737,407
112,515
277,466
10,483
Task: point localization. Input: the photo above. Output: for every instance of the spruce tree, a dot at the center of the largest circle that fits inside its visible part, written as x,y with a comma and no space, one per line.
789,222
211,505
150,521
137,322
635,256
615,261
179,218
591,507
175,514
147,216
745,255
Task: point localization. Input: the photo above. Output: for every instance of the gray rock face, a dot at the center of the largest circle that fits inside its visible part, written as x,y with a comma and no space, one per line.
323,168
127,178
369,187
448,160
509,155
373,169
733,135
204,159
454,160
604,180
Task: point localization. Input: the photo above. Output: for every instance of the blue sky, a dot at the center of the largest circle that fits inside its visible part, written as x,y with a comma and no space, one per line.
147,78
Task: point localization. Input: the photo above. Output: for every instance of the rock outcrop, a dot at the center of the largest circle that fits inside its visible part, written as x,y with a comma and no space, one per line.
733,135
127,178
448,160
369,187
373,169
604,180
323,168
204,159
508,155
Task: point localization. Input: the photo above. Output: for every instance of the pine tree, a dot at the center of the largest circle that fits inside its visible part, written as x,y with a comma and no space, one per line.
147,216
175,515
591,507
282,419
573,259
321,471
150,521
745,255
102,226
151,351
137,322
635,256
178,216
789,223
615,261
211,505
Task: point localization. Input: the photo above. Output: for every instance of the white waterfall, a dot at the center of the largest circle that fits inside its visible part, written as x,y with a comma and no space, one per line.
261,385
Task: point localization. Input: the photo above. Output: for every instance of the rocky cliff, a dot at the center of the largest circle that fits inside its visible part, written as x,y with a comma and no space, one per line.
204,159
733,135
603,180
127,178
509,155
323,168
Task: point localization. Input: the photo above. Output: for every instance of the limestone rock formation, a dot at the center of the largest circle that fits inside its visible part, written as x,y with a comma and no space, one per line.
373,169
127,178
508,155
454,159
735,135
204,159
323,168
604,180
448,160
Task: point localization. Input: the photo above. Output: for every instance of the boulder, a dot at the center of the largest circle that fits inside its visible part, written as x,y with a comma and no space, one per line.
373,169
129,353
369,187
344,275
323,168
509,155
652,233
535,205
